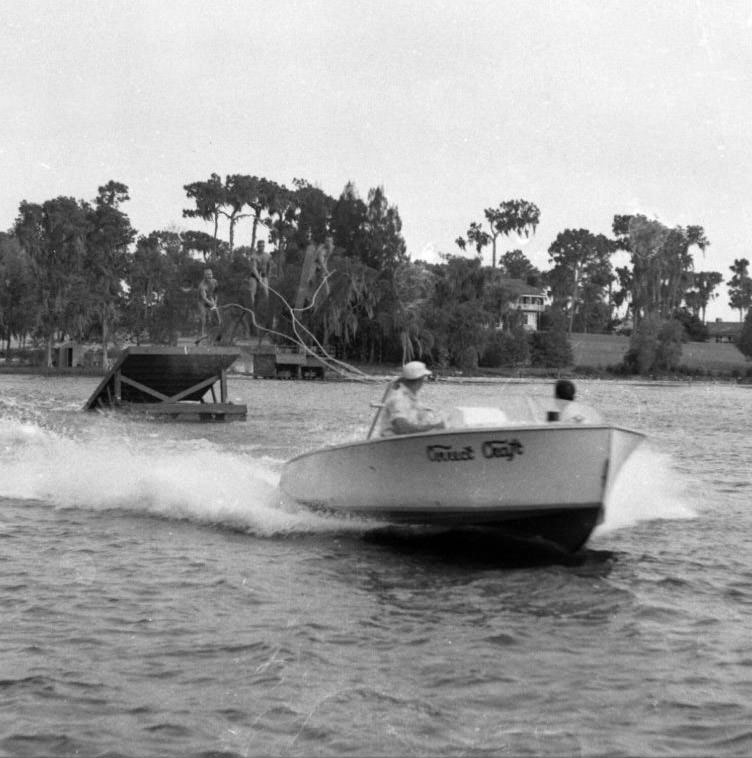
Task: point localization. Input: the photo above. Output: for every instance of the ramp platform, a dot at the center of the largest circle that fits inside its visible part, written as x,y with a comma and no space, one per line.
170,381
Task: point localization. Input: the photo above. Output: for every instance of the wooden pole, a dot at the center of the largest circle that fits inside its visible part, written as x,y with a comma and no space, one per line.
223,385
380,407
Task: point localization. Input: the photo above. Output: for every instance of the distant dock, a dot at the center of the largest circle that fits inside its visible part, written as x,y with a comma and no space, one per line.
276,362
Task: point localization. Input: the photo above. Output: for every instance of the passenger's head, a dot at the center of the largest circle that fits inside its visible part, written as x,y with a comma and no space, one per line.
208,274
414,372
564,390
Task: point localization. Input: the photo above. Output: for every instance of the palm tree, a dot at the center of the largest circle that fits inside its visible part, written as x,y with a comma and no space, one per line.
412,285
352,296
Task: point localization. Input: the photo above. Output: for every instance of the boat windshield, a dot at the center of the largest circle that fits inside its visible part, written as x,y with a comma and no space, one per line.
520,409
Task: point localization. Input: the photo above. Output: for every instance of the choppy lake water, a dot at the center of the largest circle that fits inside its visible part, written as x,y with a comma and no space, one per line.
157,598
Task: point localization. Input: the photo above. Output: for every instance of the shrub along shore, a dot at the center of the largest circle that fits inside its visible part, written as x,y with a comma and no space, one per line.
594,356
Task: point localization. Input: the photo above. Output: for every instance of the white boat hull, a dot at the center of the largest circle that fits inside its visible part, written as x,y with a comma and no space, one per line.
546,482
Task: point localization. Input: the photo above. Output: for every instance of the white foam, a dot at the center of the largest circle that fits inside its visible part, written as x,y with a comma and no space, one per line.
199,481
193,480
648,487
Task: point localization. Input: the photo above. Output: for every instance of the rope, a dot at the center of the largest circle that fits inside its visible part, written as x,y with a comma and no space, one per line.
333,364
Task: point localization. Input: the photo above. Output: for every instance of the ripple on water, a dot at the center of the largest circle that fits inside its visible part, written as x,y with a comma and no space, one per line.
46,743
149,616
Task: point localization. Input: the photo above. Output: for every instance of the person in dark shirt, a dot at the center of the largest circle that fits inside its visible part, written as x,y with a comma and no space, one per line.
568,410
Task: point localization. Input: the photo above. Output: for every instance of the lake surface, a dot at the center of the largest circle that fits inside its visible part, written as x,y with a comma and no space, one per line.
158,597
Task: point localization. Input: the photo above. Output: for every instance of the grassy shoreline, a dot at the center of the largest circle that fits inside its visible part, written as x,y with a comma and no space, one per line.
594,357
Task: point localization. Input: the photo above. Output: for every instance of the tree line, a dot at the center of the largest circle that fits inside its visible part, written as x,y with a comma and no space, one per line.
75,269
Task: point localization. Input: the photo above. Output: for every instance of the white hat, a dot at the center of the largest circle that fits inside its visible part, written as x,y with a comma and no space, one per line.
415,370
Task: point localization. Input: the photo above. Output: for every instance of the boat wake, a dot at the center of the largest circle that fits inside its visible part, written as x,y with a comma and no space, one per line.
107,469
648,488
194,480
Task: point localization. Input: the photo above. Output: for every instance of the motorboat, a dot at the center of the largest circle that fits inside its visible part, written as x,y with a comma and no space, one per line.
528,471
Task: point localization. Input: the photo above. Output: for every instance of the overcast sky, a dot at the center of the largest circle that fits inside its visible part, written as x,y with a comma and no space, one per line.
586,108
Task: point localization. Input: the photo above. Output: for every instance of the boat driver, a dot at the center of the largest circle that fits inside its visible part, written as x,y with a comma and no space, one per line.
403,413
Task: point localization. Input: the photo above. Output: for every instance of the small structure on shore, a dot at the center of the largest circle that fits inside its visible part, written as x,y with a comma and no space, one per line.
526,301
724,331
276,362
68,355
170,381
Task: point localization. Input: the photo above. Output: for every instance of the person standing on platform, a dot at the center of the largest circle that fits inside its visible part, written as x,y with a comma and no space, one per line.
323,252
261,262
207,300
